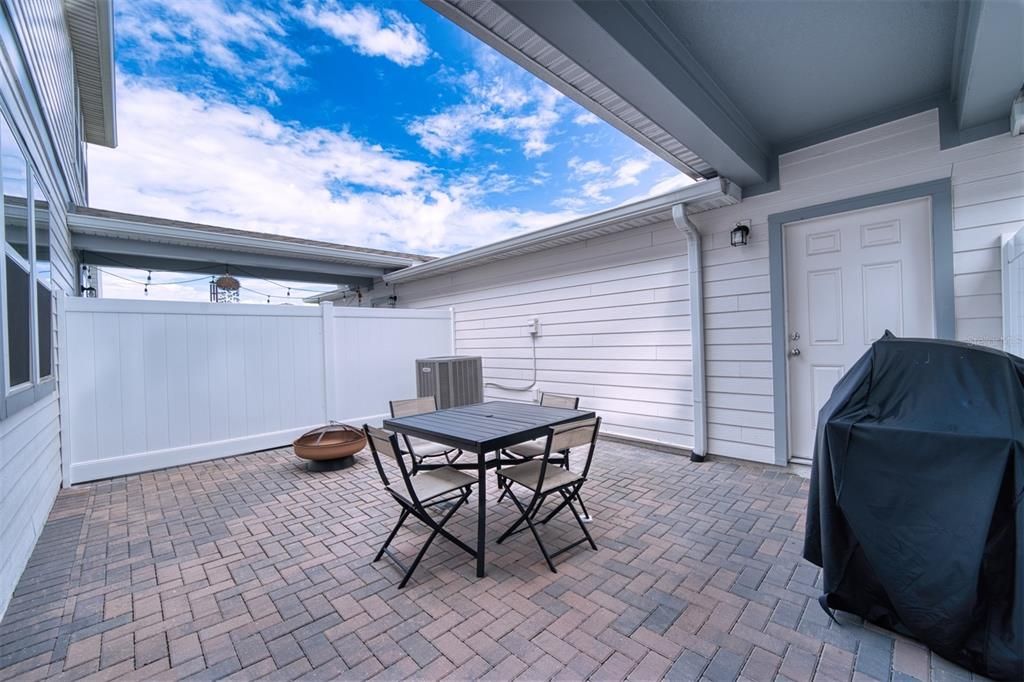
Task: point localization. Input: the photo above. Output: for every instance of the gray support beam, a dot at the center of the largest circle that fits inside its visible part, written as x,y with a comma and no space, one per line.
989,67
626,47
152,256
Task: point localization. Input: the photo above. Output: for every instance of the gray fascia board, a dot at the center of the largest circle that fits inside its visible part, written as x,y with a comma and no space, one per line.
150,233
693,194
608,40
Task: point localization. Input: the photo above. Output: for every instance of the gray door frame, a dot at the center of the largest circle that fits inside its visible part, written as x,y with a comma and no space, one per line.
941,195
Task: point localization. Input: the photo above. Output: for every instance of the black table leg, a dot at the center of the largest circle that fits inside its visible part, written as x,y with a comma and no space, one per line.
481,523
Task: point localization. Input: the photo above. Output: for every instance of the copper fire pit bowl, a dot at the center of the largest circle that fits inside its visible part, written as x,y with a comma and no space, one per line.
330,447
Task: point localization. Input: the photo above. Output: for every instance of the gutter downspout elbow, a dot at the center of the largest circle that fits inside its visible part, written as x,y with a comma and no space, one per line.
693,253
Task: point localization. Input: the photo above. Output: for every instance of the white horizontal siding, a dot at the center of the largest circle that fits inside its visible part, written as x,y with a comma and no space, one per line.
615,327
29,480
41,29
988,200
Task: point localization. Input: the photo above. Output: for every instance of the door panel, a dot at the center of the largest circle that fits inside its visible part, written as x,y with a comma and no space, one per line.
850,277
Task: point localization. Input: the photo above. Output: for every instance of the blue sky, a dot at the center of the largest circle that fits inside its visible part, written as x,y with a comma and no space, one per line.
379,124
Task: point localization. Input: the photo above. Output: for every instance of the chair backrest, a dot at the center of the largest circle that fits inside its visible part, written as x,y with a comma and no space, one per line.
411,406
567,436
554,400
384,443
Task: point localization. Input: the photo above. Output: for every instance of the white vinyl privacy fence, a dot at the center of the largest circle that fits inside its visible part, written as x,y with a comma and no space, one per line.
152,384
1013,294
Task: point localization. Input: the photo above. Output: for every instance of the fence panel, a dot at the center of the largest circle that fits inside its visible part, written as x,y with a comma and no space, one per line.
396,337
153,384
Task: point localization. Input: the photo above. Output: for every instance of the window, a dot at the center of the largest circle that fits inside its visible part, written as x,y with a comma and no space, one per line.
44,295
27,296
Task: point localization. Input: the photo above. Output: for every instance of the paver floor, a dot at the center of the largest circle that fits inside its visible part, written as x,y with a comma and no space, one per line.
252,567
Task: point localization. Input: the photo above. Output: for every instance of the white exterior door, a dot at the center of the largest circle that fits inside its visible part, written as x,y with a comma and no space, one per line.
849,277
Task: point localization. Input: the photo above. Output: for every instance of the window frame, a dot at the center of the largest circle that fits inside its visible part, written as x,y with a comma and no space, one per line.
16,398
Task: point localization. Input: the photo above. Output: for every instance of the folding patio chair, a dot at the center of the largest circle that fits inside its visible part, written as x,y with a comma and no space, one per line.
535,448
542,479
417,494
420,449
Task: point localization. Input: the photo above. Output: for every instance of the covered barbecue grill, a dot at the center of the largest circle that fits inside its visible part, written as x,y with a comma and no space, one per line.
916,509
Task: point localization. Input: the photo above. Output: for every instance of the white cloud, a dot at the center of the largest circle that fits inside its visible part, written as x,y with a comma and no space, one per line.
184,158
586,118
244,41
498,98
369,31
582,168
599,178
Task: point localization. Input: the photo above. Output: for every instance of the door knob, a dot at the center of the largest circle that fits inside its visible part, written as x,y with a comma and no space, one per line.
794,352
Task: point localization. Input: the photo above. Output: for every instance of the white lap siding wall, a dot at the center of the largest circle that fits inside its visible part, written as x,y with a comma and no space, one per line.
615,327
614,310
30,466
988,201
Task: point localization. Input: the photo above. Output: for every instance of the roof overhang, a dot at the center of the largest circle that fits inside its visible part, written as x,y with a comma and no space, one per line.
698,197
91,29
725,88
565,45
112,239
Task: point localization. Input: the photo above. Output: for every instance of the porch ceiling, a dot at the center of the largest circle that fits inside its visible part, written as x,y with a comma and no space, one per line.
112,239
724,87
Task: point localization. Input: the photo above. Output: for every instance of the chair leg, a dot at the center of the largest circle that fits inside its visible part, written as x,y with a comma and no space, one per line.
527,516
583,507
568,499
551,515
394,532
437,526
530,509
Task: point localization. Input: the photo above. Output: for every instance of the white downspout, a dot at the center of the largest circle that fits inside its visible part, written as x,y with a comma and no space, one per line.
693,254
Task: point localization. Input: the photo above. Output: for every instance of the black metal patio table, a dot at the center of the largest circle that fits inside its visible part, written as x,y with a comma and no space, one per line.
481,429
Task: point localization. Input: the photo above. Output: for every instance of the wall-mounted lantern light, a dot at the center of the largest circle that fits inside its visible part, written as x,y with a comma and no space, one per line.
740,234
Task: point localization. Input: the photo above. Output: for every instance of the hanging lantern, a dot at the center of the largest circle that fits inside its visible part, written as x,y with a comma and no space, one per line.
227,283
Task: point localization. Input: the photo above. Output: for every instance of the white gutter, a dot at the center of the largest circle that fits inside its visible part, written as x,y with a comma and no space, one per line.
694,266
705,195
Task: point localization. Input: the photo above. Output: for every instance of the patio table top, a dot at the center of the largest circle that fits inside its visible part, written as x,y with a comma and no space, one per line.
485,427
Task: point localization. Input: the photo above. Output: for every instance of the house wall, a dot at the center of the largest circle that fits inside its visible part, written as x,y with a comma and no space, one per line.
604,337
30,466
988,201
615,327
42,32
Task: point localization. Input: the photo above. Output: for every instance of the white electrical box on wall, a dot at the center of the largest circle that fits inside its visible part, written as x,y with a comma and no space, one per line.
533,327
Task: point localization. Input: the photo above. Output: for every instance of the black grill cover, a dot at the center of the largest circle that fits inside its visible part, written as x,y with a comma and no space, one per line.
916,509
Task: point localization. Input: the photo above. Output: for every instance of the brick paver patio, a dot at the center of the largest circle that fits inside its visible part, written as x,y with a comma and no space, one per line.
253,567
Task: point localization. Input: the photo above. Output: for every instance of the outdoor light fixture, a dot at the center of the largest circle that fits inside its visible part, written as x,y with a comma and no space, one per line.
739,234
